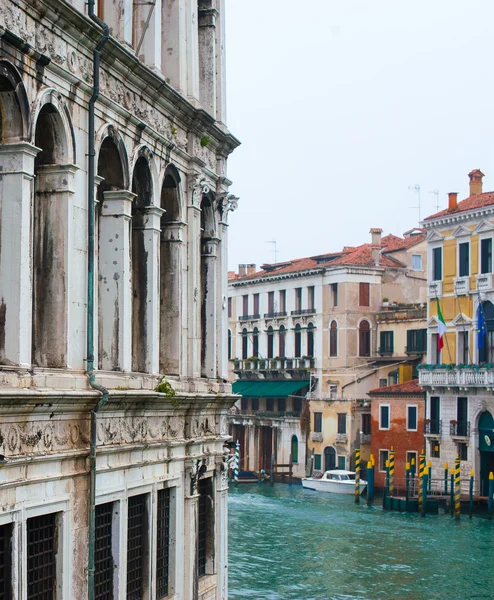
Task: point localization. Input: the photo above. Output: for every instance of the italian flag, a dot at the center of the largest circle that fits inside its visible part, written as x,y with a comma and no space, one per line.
441,327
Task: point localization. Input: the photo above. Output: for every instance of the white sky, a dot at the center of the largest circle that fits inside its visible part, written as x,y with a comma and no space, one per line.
341,106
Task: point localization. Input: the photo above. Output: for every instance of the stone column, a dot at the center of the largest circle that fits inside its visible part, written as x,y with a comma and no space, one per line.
16,193
191,515
115,296
220,64
192,52
221,533
209,315
207,59
151,235
174,45
171,298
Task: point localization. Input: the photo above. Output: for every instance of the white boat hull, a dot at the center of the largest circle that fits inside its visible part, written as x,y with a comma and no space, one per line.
335,487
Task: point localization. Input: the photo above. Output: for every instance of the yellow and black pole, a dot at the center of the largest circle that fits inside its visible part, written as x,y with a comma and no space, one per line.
446,468
457,487
421,480
491,494
370,483
407,483
423,485
391,471
470,508
357,475
429,466
413,468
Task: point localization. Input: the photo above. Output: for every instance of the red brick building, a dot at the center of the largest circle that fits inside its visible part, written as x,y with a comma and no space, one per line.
397,421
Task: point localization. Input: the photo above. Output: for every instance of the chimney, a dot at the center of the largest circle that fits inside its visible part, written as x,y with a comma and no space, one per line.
376,236
475,181
242,270
251,269
376,255
452,200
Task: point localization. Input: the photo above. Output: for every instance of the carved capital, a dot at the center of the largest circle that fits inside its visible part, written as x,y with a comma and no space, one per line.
226,203
199,187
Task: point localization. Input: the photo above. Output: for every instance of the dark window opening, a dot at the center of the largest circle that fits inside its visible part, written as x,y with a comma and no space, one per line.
341,422
281,340
437,264
366,424
255,404
270,302
6,562
334,294
412,418
435,415
384,420
364,338
229,307
310,340
486,256
333,339
435,449
416,340
103,559
255,342
41,557
270,404
206,531
298,299
256,304
136,546
163,544
464,259
245,306
311,297
386,342
364,296
281,405
245,344
462,451
282,301
298,341
270,342
317,422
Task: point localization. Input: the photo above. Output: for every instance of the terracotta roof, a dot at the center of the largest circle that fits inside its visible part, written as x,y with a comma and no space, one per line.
475,201
362,255
409,387
395,244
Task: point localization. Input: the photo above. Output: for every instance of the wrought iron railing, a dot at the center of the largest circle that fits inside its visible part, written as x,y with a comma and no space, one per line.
275,314
459,428
433,427
303,311
249,317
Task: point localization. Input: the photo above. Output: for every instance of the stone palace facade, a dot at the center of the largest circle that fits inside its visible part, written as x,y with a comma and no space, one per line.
114,201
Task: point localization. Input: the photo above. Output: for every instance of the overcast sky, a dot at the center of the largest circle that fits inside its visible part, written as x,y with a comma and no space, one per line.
341,106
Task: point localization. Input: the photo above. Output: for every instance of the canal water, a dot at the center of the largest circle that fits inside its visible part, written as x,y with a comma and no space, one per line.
287,543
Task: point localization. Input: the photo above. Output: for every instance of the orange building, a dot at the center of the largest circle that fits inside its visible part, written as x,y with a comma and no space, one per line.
397,421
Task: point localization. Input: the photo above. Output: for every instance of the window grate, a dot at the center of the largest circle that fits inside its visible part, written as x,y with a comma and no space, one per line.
41,568
205,495
163,544
103,559
135,546
6,562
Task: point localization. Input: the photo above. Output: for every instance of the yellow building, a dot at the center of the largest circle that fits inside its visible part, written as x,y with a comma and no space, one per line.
459,380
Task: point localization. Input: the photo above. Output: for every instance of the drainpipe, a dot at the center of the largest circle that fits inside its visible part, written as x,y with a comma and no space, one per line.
90,301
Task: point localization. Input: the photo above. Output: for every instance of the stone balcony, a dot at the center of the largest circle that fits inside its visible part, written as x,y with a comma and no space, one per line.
273,364
462,286
468,377
484,282
435,289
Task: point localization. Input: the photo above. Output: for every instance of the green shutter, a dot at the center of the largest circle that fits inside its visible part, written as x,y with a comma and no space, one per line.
317,462
382,342
409,340
391,341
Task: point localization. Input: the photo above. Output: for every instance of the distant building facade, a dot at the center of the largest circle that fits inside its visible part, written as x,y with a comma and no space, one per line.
95,311
459,378
341,323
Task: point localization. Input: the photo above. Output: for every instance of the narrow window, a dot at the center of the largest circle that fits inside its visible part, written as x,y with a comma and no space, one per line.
298,298
341,422
463,348
386,342
435,415
270,303
270,404
462,416
229,344
255,342
6,562
298,341
229,307
136,546
364,338
384,416
245,344
416,340
486,256
282,301
411,455
437,264
255,404
245,306
435,352
317,422
244,404
464,259
366,423
205,539
297,405
256,304
270,342
41,557
310,298
334,294
435,449
333,339
363,294
294,449
462,451
416,262
411,418
281,405
342,462
383,382
310,340
163,544
383,457
103,557
317,462
281,340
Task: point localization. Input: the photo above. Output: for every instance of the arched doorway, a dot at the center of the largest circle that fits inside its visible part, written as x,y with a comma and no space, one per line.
486,447
329,458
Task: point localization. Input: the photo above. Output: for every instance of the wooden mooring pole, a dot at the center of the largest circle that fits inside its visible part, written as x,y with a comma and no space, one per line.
357,475
457,488
491,493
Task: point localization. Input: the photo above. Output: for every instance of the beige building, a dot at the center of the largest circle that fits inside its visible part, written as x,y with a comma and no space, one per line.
345,321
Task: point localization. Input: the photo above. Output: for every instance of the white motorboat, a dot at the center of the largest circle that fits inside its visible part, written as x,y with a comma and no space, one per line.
336,482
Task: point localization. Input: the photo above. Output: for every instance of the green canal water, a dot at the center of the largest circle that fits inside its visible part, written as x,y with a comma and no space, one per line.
287,543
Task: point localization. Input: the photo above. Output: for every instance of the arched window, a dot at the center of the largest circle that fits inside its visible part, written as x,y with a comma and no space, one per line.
294,449
270,342
333,339
486,354
245,344
329,458
229,344
281,340
364,338
298,341
310,340
255,342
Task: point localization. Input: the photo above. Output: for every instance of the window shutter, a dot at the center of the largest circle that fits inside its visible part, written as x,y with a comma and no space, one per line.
409,340
391,341
382,341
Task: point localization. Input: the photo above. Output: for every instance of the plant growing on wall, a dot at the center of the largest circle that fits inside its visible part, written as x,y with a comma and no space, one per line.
205,141
165,387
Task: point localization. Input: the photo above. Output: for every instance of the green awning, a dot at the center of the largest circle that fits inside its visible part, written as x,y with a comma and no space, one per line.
268,389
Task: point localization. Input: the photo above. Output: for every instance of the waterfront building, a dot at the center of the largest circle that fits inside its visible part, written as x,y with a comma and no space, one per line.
341,323
459,378
114,200
397,422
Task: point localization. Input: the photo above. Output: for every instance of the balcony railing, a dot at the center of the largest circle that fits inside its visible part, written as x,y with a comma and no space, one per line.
274,315
273,364
457,377
385,351
433,427
415,350
303,311
459,428
341,438
365,438
435,289
484,282
234,411
462,286
326,396
249,317
316,436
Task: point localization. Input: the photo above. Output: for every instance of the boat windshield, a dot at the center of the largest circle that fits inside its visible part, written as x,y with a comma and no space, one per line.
352,477
344,477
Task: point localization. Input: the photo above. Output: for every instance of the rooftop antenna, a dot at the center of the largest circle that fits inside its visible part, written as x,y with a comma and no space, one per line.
274,250
436,193
416,189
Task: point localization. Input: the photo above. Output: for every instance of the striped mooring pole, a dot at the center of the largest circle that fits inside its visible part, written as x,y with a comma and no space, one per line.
237,462
491,493
421,481
407,492
429,466
370,483
391,471
386,486
452,492
446,469
425,476
412,473
457,487
357,475
470,511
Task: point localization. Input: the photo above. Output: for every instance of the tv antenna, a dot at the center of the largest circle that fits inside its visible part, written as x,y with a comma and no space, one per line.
274,250
416,189
436,194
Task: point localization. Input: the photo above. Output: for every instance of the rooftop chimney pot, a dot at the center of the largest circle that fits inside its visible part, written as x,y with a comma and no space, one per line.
251,269
452,200
475,182
242,270
376,236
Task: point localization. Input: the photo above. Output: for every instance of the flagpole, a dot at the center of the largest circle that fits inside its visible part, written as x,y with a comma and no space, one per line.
441,321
